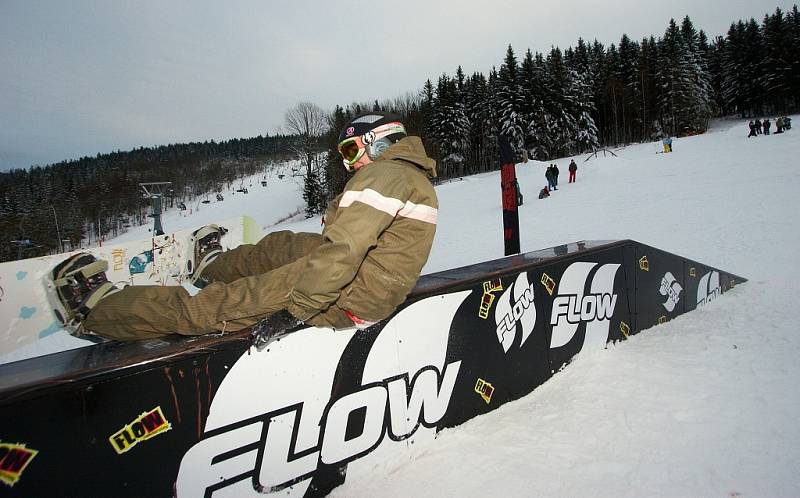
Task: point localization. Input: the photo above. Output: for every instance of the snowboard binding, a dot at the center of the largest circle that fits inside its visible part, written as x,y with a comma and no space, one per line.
74,288
273,328
207,246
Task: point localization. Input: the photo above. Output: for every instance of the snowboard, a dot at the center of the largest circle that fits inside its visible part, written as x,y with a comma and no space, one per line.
26,308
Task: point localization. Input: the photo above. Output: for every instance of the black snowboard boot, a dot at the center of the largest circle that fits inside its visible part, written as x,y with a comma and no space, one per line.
207,246
77,284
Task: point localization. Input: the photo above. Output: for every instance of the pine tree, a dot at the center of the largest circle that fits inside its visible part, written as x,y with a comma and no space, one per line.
776,67
647,68
510,101
313,194
734,84
476,107
533,86
586,133
599,75
426,111
335,176
540,131
670,51
793,46
699,82
450,127
631,90
492,107
752,67
715,55
685,91
614,95
562,108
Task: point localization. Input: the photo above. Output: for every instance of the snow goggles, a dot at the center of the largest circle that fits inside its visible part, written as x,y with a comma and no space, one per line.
351,150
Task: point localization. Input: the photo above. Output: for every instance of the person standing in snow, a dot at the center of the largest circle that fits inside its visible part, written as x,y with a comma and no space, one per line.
573,169
555,177
548,174
752,130
377,237
758,126
766,126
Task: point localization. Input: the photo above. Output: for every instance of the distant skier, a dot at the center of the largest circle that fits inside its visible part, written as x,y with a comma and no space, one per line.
752,130
766,126
377,238
548,174
758,126
573,169
779,125
519,192
667,142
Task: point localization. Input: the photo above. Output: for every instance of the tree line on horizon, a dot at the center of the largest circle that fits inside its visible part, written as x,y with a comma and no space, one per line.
46,209
571,101
553,104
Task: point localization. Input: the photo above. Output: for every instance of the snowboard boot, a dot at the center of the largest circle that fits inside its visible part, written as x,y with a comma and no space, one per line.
207,246
75,287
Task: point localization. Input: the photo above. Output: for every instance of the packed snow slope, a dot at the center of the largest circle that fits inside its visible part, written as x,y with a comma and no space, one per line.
704,405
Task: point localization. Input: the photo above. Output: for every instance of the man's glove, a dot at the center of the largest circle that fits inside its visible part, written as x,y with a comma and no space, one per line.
273,328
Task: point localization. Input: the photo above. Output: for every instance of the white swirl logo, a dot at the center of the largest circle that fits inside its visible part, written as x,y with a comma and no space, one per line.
671,289
515,310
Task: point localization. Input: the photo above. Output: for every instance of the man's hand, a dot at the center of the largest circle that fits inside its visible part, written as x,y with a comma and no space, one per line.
273,328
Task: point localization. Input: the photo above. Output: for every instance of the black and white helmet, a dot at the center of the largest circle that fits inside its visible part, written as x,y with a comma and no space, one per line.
370,134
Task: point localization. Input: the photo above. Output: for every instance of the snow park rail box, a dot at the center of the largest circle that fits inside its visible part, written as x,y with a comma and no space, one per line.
211,415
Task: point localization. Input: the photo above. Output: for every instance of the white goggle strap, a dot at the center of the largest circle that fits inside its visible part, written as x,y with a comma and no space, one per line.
382,131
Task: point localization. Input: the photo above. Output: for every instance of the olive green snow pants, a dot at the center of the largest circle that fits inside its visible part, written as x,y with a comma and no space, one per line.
249,283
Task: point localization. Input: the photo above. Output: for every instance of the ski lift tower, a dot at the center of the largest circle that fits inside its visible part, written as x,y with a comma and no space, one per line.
155,191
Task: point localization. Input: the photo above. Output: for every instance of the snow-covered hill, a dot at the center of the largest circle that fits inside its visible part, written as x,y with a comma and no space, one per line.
705,405
269,204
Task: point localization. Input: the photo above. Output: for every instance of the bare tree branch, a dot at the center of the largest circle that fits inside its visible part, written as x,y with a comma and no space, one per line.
307,120
310,122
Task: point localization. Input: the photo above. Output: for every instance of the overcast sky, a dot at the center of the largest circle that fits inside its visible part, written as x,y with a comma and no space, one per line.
80,77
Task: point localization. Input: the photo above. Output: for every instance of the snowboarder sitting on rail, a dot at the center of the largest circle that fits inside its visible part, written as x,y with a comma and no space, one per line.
377,237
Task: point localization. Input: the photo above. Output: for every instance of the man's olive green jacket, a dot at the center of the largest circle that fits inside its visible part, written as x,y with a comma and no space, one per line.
377,238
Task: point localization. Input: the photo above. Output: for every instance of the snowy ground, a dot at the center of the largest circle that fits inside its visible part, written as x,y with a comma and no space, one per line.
705,405
268,205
